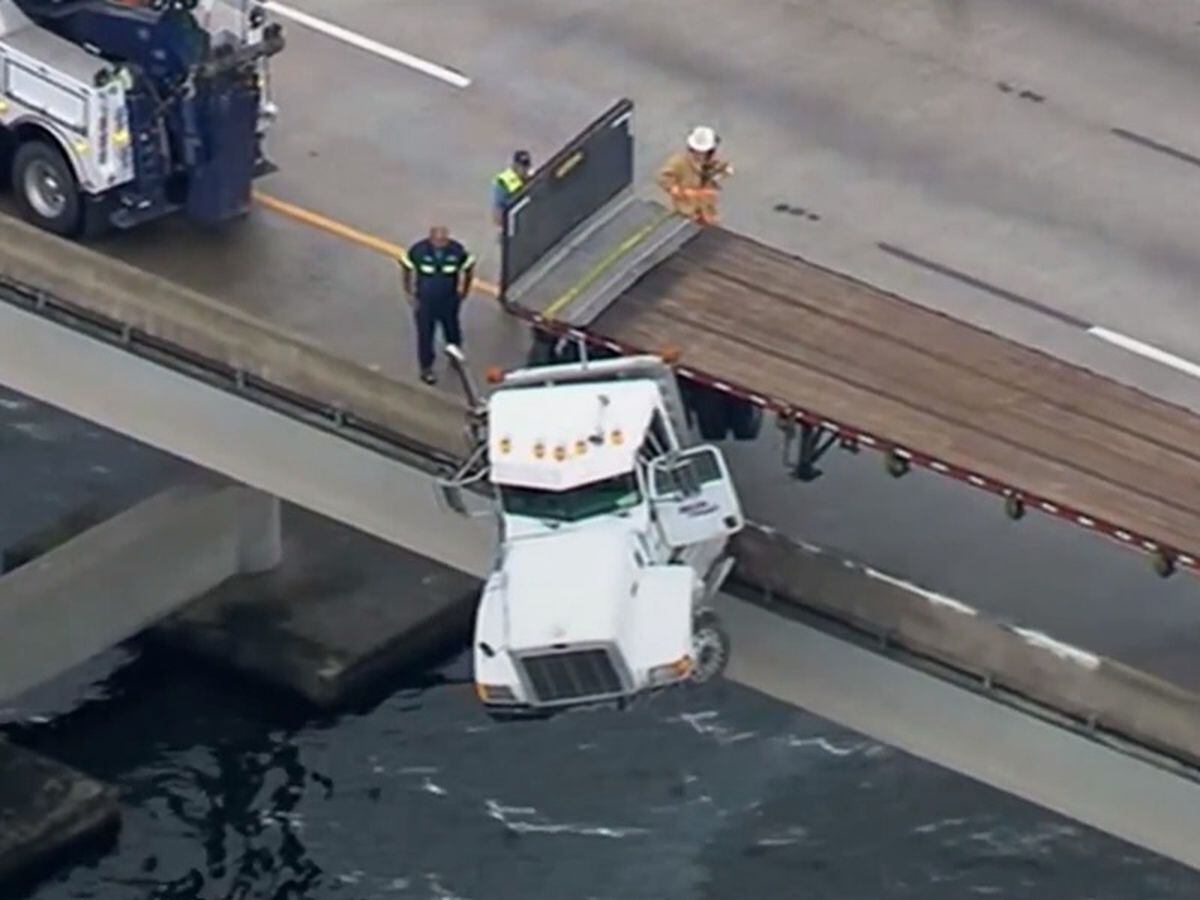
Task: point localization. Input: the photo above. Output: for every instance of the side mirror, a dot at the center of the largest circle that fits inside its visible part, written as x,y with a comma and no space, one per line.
450,497
456,499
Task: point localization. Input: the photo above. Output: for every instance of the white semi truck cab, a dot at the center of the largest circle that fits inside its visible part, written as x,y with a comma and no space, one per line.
613,530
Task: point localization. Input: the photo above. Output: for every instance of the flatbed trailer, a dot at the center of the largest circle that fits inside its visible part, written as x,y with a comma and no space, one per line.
597,270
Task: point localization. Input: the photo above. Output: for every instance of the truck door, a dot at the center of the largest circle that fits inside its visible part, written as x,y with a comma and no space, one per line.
694,496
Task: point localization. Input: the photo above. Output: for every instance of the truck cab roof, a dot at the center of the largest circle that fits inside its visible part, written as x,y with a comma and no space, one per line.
559,437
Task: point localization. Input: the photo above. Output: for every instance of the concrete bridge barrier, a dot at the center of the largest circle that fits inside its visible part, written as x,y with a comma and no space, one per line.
164,311
1099,694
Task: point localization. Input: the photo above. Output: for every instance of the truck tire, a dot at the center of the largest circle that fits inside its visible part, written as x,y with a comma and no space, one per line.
709,407
710,647
745,418
8,148
46,190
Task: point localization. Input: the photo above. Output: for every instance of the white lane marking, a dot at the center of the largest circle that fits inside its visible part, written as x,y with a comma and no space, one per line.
433,70
1141,349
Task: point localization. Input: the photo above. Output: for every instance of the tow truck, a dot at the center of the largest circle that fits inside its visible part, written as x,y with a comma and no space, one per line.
614,528
117,113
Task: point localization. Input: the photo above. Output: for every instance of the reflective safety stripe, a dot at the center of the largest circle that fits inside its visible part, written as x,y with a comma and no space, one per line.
436,265
509,180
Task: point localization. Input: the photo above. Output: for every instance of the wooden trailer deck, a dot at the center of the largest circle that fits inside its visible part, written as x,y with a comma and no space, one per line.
885,372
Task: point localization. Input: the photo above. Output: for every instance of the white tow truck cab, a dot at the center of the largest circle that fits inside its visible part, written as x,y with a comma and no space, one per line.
613,530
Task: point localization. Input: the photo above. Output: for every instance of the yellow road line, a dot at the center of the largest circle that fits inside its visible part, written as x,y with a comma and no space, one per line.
348,233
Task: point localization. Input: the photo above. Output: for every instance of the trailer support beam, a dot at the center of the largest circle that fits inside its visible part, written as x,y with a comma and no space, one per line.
813,443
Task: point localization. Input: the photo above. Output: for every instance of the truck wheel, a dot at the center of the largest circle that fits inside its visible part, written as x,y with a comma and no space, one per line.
710,647
745,418
712,420
46,190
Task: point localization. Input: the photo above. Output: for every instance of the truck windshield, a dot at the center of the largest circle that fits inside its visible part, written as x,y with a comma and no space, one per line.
595,499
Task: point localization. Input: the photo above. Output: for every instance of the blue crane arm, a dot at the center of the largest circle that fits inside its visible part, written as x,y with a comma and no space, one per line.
163,40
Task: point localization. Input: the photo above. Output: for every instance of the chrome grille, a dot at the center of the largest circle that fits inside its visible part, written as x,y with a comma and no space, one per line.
572,675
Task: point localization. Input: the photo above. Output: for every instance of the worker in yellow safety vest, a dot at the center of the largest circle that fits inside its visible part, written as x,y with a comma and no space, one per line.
508,182
692,179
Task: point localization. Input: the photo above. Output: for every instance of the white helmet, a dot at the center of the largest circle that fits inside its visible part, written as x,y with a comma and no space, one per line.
702,139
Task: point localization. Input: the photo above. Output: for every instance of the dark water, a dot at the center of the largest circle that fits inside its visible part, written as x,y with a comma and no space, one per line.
230,793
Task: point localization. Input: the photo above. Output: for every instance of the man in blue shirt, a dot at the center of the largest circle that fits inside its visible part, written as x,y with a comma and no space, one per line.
437,276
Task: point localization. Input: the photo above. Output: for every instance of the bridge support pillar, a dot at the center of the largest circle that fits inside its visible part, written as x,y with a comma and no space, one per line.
260,532
112,581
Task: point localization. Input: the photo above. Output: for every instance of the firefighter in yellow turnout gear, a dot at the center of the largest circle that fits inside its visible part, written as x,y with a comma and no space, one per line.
692,178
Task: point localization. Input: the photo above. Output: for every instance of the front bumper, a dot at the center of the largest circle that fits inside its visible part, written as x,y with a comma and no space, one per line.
529,711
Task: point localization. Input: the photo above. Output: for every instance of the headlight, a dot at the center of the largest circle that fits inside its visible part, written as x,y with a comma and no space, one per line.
674,671
495,693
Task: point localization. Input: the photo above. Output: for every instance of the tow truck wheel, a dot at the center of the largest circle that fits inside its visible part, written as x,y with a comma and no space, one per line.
46,190
710,648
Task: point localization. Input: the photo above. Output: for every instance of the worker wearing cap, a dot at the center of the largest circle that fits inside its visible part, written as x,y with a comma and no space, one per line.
508,182
437,276
691,179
